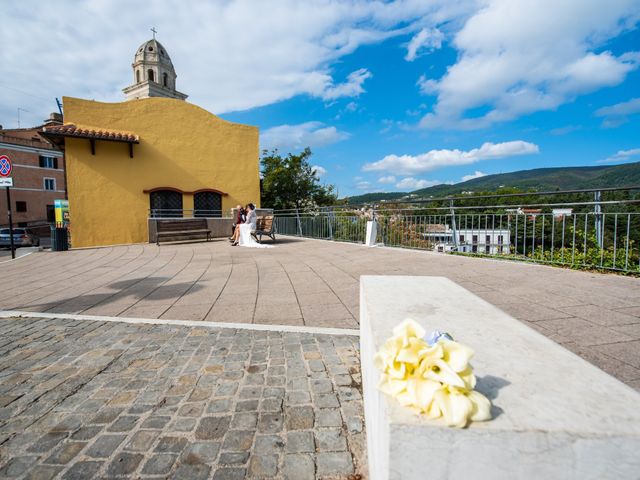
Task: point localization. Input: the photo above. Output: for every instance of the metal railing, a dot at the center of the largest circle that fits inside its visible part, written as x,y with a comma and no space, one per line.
184,213
325,225
595,230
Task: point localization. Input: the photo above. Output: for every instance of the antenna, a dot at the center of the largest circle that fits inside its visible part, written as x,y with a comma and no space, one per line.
21,110
59,105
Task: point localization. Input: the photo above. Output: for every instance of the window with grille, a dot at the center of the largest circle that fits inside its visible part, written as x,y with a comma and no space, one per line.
207,204
165,203
21,206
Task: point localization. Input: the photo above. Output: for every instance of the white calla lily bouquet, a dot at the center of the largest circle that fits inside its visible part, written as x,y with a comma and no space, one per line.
432,376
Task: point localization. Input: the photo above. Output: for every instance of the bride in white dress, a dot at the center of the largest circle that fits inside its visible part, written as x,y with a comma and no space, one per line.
243,232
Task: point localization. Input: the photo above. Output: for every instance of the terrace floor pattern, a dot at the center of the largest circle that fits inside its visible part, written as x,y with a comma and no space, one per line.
316,284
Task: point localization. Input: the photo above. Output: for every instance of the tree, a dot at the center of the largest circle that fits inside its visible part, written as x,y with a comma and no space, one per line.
291,182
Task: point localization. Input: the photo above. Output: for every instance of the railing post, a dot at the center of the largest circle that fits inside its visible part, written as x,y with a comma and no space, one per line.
299,224
330,216
598,218
454,229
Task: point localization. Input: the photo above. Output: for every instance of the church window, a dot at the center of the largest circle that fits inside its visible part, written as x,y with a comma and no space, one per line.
151,49
165,79
150,75
137,76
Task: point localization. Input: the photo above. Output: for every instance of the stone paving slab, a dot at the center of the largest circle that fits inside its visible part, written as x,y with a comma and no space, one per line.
315,283
90,399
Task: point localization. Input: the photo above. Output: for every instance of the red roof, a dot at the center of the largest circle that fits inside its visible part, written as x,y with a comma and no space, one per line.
70,130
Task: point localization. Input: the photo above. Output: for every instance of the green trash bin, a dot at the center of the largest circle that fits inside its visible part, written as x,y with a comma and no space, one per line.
59,239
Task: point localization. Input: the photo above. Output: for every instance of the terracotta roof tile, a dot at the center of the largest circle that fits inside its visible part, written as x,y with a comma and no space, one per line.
70,130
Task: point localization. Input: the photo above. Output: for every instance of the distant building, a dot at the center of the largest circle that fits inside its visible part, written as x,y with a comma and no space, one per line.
532,213
561,212
490,241
480,240
38,175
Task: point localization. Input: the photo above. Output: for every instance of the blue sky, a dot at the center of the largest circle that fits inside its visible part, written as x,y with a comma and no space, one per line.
389,95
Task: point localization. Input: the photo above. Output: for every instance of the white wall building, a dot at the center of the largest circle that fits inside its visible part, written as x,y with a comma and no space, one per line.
491,241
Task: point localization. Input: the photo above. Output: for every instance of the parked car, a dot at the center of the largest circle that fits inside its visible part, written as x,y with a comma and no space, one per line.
22,237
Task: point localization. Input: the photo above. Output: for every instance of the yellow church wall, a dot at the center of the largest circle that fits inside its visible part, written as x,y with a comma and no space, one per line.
181,146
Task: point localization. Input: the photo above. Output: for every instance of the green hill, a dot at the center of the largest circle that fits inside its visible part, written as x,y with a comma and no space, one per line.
539,179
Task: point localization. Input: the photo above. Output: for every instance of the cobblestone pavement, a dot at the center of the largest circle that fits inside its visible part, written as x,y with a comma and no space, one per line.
89,399
316,283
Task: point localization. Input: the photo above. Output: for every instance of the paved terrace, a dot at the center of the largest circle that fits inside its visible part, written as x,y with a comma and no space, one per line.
90,398
315,283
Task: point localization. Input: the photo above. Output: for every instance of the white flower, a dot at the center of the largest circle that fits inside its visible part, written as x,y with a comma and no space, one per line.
434,379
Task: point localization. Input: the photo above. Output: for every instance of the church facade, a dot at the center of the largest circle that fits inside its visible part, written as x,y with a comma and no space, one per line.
154,155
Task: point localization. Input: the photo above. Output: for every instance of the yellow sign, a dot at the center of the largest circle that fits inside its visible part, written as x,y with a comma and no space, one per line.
61,208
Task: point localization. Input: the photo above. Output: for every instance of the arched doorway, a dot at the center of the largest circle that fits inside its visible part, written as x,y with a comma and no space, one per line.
207,204
165,203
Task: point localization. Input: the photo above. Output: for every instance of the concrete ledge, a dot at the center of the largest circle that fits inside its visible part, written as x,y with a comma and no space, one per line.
555,415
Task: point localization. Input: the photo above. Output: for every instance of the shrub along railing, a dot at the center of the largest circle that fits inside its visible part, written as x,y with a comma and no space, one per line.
579,228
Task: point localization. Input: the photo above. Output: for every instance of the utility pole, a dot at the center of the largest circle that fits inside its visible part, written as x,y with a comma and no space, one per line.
13,247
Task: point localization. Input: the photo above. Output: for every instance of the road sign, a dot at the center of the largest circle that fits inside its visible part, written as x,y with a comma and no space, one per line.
5,166
7,182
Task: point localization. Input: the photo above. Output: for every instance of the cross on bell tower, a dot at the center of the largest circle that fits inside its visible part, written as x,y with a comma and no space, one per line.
153,29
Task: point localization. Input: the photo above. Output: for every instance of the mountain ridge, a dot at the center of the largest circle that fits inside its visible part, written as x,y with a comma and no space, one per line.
539,179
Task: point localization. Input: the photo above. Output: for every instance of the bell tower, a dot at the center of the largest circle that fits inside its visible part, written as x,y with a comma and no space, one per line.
153,73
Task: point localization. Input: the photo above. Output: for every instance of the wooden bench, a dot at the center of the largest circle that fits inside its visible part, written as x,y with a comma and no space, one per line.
182,228
266,227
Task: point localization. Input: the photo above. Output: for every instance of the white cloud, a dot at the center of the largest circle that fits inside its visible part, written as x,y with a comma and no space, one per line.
516,58
565,130
319,171
364,185
351,88
411,183
622,156
295,137
433,159
619,113
229,55
387,179
476,174
351,107
427,86
426,39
